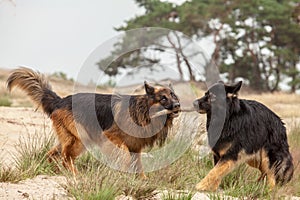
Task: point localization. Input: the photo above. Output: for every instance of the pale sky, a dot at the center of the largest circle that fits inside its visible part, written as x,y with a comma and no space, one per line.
62,35
56,35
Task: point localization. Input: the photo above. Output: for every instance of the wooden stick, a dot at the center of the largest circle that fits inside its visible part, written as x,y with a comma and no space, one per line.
189,109
165,112
162,112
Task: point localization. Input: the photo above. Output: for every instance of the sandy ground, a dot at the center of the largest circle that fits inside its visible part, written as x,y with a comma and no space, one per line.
40,187
17,124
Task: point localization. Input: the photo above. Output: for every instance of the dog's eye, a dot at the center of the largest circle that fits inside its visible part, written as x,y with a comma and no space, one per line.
163,99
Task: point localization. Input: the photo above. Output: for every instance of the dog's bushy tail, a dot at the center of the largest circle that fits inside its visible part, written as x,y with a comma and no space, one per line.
36,87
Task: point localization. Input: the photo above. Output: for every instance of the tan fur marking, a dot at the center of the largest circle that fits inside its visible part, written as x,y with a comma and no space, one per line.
213,179
224,149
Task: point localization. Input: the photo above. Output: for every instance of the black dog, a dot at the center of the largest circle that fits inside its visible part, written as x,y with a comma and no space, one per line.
243,131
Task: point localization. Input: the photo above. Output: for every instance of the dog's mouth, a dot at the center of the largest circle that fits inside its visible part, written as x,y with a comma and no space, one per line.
201,111
175,113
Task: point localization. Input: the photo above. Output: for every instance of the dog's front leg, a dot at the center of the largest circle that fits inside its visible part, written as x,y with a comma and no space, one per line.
118,151
213,179
137,160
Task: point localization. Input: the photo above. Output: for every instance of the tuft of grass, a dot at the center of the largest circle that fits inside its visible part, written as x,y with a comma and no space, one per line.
94,181
9,174
179,195
293,187
31,157
243,182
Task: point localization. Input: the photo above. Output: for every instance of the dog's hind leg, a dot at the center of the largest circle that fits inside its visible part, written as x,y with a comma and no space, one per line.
213,179
72,147
259,163
54,156
281,171
70,144
54,153
266,170
70,151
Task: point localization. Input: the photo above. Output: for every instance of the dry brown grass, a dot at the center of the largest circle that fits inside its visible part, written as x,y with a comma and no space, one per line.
284,104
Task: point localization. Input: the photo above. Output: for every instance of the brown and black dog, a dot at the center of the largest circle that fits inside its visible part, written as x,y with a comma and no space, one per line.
243,131
125,120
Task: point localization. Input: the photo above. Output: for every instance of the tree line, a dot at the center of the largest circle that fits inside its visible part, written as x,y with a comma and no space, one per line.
256,40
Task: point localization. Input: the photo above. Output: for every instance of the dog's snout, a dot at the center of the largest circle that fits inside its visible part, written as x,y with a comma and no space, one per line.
195,104
176,105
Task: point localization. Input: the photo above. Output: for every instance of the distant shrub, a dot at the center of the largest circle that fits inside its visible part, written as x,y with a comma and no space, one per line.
62,75
5,101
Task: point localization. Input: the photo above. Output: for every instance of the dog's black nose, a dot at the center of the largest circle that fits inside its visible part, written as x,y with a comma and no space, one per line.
195,104
176,105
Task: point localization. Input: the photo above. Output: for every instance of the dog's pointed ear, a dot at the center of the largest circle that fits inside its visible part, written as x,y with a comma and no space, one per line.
171,87
149,89
233,89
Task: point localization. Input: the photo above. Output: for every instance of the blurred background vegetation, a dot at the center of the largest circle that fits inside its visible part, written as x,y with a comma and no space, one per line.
258,40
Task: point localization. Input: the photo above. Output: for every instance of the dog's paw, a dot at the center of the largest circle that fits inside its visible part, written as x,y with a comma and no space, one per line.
205,185
202,186
143,176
